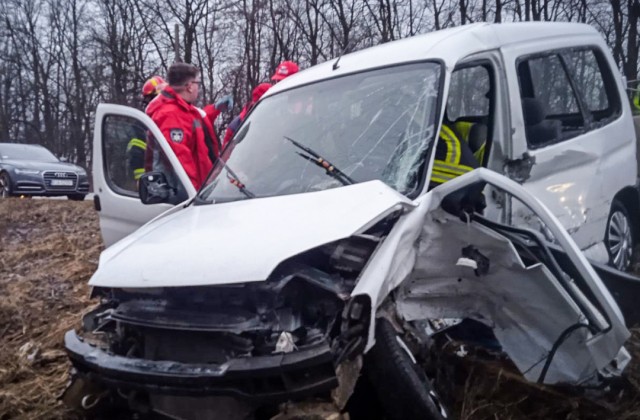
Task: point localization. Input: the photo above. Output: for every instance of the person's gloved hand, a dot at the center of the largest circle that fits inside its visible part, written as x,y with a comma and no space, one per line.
225,104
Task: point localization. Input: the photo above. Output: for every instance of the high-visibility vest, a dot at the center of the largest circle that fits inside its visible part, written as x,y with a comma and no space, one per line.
135,151
636,100
451,160
464,128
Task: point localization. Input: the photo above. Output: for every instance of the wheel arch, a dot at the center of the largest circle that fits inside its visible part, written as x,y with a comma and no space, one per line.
630,199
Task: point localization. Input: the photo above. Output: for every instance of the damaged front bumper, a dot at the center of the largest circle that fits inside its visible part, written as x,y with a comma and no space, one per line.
274,378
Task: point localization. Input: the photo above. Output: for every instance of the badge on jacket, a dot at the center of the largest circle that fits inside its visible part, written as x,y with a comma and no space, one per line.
176,135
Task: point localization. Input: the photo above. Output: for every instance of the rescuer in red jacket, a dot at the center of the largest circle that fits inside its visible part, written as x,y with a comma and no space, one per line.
260,90
189,133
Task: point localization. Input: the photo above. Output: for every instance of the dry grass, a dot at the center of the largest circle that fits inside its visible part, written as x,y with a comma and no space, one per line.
48,251
483,388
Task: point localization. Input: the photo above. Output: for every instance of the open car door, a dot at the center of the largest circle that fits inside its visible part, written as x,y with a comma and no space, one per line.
127,144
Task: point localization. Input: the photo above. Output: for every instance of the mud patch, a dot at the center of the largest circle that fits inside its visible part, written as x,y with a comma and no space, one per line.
48,251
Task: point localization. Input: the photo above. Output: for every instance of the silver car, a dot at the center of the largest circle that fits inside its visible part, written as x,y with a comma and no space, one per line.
32,170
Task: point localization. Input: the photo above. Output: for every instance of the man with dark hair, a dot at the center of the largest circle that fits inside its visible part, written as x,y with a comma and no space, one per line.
188,129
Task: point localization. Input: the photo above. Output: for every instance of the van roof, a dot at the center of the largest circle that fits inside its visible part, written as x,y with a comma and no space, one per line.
449,45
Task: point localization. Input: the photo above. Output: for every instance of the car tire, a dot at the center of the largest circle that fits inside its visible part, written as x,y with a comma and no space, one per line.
619,237
76,197
5,185
402,387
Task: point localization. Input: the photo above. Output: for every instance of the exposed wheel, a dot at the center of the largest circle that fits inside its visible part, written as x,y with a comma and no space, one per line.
403,389
619,238
76,197
5,185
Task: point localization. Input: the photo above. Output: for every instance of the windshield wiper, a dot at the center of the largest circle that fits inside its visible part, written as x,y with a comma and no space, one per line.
236,181
322,163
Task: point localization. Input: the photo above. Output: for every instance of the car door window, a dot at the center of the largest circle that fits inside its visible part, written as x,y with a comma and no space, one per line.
469,107
595,83
469,93
130,150
550,105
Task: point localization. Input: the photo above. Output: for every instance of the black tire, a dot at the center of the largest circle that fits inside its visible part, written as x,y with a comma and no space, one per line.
403,389
76,197
5,185
620,238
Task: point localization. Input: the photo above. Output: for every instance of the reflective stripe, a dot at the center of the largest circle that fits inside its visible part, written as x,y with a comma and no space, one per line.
154,82
453,145
636,100
136,143
441,177
137,173
449,168
453,169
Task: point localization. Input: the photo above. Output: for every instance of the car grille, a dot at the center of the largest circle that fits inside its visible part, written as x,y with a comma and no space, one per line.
51,176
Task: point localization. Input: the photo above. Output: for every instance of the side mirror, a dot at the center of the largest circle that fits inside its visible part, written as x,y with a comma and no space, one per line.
154,188
63,159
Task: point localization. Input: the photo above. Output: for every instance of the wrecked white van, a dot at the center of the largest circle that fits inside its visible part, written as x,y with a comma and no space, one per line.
317,238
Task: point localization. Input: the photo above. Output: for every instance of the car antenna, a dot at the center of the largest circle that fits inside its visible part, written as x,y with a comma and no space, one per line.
335,65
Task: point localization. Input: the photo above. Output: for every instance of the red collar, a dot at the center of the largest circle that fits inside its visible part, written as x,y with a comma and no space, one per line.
171,95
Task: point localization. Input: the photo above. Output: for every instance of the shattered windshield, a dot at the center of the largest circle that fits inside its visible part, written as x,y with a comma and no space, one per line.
367,126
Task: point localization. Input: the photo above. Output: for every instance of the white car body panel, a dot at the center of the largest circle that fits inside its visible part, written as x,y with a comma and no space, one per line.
120,214
241,241
411,258
577,178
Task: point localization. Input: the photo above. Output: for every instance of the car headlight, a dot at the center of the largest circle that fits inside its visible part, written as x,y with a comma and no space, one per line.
27,171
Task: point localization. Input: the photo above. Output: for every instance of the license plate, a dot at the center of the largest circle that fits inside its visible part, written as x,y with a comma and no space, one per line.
62,182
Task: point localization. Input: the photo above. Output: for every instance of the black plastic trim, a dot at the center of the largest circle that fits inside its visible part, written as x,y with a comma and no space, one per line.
273,378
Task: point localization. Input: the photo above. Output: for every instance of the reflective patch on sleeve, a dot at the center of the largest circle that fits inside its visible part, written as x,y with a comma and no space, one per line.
177,135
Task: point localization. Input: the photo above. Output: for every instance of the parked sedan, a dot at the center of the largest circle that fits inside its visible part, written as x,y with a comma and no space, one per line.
32,170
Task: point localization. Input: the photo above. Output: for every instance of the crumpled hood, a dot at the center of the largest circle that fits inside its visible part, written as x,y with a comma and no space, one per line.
242,241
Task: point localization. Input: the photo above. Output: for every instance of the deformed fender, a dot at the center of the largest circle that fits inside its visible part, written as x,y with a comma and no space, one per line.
395,260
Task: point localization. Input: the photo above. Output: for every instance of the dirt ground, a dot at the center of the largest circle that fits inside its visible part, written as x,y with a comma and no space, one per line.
50,248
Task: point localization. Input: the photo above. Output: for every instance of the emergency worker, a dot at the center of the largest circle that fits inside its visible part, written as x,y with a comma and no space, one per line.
465,129
636,101
257,93
189,132
453,156
137,147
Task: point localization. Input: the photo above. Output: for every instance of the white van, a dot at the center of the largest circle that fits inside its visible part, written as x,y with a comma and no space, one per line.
285,266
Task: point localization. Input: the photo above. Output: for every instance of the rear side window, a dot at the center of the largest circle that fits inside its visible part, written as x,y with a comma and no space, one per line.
551,85
594,82
565,93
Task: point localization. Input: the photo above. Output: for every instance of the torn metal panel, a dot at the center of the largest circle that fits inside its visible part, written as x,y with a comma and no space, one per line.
526,307
393,261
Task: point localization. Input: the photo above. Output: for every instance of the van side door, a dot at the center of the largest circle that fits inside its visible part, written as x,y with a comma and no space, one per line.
572,127
126,145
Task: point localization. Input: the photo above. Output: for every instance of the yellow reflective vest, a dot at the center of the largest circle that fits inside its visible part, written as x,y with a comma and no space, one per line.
452,158
135,152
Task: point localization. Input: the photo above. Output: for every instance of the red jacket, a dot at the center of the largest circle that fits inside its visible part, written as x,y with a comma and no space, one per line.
191,136
257,93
